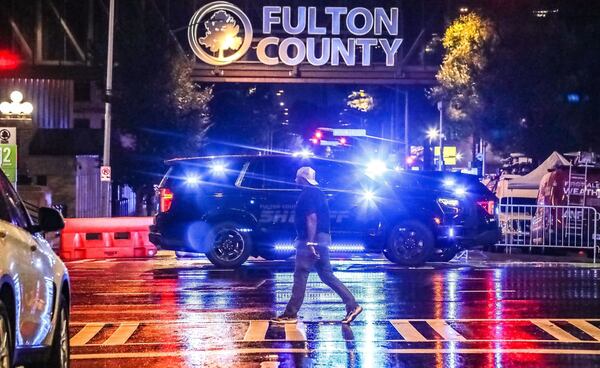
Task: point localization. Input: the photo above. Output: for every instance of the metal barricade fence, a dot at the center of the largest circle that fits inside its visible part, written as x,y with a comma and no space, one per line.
549,226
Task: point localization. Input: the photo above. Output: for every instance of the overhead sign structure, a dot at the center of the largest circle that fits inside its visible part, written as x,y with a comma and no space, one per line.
8,153
105,174
220,33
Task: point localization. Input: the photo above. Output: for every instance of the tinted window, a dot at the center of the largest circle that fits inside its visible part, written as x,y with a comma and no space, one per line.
336,175
280,173
16,213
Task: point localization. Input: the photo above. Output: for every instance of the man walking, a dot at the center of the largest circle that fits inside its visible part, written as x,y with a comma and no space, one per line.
312,242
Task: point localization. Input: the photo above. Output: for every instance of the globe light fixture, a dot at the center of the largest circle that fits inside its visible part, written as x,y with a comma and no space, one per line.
16,108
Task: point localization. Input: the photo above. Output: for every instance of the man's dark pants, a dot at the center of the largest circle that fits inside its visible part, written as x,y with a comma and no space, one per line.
305,261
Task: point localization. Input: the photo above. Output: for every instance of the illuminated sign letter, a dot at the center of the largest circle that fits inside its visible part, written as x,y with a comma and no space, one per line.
366,44
351,21
261,50
336,17
269,18
311,51
339,49
284,51
382,20
313,29
390,50
287,20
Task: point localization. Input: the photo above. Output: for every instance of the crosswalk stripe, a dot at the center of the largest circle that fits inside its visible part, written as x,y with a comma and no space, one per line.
257,330
295,332
407,330
553,330
86,334
445,330
122,334
586,327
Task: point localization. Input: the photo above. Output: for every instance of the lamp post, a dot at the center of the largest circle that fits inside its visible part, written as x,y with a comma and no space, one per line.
107,192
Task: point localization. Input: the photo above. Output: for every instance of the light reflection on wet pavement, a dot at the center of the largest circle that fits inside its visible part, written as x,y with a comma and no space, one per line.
165,312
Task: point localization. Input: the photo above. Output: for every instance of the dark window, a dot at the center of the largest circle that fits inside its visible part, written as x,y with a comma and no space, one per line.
280,173
254,175
82,92
335,175
81,123
17,213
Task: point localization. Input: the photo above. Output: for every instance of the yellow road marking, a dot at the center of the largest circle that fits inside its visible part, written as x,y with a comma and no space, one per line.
122,334
407,330
554,331
86,334
586,327
445,330
295,331
257,331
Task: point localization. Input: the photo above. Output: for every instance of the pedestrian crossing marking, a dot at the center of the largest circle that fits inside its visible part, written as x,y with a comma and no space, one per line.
86,334
122,334
586,327
445,330
554,331
295,331
407,330
257,330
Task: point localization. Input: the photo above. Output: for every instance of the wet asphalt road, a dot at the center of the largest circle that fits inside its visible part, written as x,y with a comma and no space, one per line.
165,312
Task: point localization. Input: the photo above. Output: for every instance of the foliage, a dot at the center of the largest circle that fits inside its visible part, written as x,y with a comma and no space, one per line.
158,112
468,42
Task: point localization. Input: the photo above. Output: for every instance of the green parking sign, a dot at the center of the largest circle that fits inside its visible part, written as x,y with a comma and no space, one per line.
8,161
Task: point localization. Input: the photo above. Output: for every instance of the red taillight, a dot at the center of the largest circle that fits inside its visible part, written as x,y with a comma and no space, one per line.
166,199
488,206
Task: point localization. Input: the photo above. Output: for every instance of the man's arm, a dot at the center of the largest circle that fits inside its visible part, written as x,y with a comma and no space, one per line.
311,227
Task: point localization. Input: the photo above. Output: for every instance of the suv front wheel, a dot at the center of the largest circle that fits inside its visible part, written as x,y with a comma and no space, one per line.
230,246
410,243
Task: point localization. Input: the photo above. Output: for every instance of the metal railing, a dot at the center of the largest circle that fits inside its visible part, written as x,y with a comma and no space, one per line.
549,226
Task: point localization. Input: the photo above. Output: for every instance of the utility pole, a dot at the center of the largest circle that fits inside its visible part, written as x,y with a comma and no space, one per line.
406,146
107,192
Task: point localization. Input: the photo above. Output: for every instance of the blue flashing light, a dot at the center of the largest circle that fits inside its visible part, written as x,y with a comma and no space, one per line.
573,98
460,191
192,180
376,168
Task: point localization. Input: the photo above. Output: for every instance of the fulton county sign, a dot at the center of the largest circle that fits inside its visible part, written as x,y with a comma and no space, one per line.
220,33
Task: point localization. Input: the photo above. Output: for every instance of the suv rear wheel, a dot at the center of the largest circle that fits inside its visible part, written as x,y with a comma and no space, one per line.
230,247
410,243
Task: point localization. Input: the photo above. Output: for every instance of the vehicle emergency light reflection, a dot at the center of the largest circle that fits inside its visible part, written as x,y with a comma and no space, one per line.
460,191
218,168
376,168
198,237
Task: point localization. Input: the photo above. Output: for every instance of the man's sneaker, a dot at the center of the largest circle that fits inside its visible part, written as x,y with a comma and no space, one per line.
351,315
283,319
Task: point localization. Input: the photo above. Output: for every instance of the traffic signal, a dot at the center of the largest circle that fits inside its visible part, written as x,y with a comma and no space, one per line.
9,60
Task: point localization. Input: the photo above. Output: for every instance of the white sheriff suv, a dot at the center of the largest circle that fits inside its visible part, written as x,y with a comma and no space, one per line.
34,287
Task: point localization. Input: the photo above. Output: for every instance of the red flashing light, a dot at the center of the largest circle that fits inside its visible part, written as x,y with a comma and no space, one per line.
488,206
318,134
410,160
9,60
314,141
343,141
166,199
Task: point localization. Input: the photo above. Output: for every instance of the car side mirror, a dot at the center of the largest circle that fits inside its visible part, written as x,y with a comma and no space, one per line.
50,219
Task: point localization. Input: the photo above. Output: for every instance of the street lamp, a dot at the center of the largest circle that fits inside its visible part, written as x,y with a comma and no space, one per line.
16,109
432,133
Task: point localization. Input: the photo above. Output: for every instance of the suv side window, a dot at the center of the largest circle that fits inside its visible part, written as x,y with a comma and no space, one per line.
16,212
280,173
335,175
254,175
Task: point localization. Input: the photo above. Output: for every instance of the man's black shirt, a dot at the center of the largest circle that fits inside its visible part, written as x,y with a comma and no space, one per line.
311,200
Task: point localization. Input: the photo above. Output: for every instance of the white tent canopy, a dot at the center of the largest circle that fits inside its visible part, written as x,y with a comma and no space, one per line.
532,180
